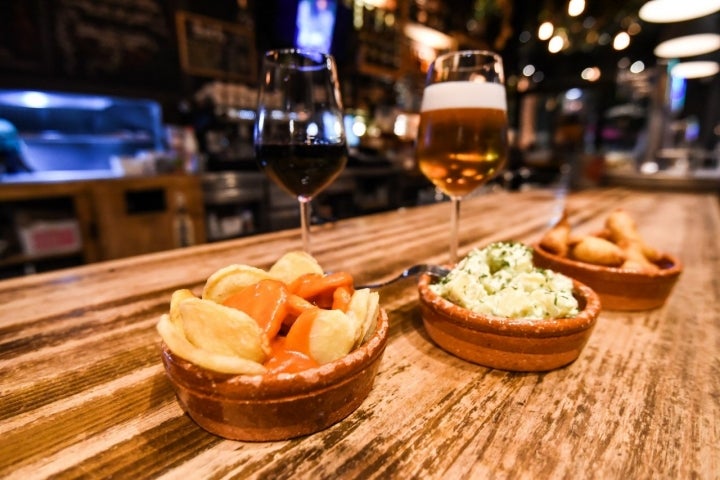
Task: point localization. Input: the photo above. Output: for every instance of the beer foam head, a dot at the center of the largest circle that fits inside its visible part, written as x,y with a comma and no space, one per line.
445,95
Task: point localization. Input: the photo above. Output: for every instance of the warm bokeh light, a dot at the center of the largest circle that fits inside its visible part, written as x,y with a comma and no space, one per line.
592,37
576,7
634,28
621,41
698,69
556,44
429,36
591,74
545,30
667,11
688,46
384,4
359,127
637,67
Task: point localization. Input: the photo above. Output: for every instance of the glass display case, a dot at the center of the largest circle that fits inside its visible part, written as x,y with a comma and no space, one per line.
67,132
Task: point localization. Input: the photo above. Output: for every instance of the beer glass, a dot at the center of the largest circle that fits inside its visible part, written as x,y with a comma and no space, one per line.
463,134
299,133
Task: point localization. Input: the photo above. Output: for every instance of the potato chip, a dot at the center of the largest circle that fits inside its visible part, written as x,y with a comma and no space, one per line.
371,316
293,265
363,310
223,330
230,280
175,299
332,336
357,311
180,346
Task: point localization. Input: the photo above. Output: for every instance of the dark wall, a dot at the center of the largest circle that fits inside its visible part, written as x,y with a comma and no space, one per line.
101,46
131,48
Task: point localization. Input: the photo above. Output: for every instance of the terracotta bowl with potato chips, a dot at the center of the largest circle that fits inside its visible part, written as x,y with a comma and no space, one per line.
618,288
522,345
277,406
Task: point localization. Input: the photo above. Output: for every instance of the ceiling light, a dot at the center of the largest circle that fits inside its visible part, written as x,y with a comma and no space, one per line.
667,11
695,69
688,45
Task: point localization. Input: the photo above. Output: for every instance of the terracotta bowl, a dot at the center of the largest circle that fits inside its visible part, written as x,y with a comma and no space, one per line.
519,345
618,289
277,407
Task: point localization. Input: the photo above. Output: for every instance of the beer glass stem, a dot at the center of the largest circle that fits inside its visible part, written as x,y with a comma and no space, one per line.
454,220
305,223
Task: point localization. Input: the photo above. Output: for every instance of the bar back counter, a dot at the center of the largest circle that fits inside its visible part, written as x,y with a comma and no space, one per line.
84,393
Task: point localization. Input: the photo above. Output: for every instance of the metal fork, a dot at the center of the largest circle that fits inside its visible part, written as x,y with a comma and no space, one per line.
434,270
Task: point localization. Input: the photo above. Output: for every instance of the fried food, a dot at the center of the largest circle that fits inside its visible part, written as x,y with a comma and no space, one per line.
619,244
177,297
179,345
556,240
635,257
293,265
324,335
231,279
620,226
598,251
363,311
623,231
223,330
251,321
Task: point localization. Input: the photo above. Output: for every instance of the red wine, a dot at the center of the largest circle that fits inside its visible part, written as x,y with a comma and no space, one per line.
302,170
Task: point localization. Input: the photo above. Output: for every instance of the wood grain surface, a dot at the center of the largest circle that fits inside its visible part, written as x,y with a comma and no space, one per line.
83,393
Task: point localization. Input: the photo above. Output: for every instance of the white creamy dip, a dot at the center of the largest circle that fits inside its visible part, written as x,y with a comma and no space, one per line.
501,280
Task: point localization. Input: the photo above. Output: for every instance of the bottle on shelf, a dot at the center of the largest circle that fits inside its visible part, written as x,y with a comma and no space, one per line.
183,228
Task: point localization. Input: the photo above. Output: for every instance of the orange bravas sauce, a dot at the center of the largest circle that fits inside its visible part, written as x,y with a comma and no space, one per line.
277,307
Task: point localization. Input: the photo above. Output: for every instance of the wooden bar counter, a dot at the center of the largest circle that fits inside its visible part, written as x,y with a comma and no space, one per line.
84,394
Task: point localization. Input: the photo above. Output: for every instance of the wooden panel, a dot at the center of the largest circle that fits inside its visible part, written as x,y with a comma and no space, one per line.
12,195
135,216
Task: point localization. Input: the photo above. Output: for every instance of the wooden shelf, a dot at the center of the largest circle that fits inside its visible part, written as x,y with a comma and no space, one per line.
20,258
117,217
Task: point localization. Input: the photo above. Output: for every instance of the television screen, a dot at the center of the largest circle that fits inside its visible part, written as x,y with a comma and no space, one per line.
315,24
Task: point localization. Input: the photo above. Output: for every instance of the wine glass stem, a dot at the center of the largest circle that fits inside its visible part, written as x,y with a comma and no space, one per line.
454,220
305,223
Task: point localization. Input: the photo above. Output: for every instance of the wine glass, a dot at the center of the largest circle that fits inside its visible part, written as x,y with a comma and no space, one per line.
299,133
463,135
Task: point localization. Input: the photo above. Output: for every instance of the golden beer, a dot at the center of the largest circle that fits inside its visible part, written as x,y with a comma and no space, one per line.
462,140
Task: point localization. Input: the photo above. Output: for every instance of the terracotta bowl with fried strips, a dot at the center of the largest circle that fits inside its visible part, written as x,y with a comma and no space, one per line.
619,289
263,408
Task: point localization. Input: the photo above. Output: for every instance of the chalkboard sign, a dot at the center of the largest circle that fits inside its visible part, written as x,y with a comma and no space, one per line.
116,40
214,48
